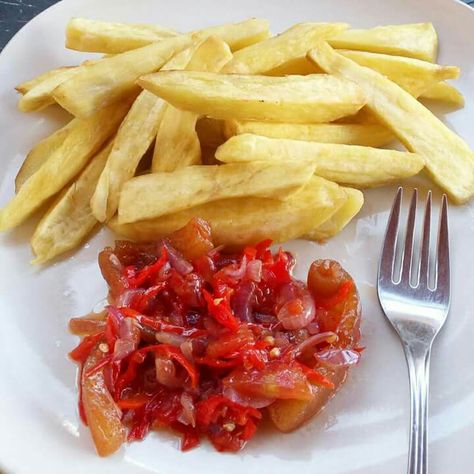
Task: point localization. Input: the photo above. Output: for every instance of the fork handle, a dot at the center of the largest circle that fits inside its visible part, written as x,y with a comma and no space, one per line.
418,359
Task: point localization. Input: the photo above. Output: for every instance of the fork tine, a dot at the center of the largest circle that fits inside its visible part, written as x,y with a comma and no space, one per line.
390,241
423,277
442,261
408,248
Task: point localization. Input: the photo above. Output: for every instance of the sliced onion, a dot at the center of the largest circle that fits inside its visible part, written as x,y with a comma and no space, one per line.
188,414
129,338
265,318
187,349
281,339
244,400
123,348
170,338
313,327
126,297
115,314
164,272
235,271
177,261
304,314
166,373
327,336
243,300
254,270
335,358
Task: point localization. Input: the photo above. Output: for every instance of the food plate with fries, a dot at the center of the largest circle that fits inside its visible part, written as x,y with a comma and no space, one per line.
287,121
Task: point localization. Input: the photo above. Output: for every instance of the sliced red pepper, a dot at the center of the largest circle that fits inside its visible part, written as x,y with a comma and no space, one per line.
157,325
130,373
142,301
250,253
138,278
82,351
315,377
133,403
263,251
220,310
190,440
278,271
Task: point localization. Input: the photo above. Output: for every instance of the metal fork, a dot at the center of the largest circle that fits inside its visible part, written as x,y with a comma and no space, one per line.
416,308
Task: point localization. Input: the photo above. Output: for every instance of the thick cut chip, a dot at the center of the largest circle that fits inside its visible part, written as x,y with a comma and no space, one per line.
177,143
245,221
111,38
42,151
154,195
446,93
64,164
414,75
108,80
448,159
95,36
41,95
417,40
211,132
278,50
134,136
359,166
293,99
298,66
332,226
374,135
237,35
26,86
69,220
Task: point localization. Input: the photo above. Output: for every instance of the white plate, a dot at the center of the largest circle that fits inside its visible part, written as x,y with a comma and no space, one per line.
364,429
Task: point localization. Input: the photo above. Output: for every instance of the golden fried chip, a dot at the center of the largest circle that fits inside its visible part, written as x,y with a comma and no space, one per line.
293,99
246,221
448,159
154,195
417,40
277,51
69,220
353,165
63,165
108,80
369,134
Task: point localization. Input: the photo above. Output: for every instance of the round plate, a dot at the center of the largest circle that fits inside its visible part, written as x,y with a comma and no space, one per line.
364,429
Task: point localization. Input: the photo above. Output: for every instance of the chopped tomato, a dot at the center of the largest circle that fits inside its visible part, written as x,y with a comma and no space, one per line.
276,380
230,343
